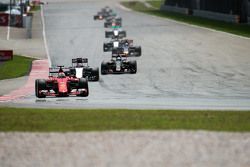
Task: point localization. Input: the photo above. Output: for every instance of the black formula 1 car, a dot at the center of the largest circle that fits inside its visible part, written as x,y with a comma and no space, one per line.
129,51
118,65
108,46
61,85
113,18
104,13
115,34
81,69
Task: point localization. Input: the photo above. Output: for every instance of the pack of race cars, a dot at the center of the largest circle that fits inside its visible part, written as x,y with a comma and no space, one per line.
67,81
120,47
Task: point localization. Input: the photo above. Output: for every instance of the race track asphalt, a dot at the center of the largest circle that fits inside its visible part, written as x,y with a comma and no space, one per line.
181,67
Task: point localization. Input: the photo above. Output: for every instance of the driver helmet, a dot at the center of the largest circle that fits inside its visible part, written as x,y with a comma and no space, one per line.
61,75
119,58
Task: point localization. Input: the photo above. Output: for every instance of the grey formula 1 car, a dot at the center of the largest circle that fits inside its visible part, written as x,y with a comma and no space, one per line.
81,69
118,65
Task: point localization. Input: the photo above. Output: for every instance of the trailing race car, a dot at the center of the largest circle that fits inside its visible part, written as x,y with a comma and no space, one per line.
118,64
104,13
80,69
61,85
115,34
99,16
108,46
130,51
113,22
113,18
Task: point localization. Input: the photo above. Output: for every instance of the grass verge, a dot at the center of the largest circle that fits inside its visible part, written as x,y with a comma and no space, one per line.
156,4
238,29
63,120
17,67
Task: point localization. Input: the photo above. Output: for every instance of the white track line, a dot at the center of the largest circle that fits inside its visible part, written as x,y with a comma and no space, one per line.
44,37
8,28
8,33
187,24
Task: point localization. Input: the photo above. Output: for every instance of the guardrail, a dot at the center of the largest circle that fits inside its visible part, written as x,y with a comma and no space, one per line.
174,9
217,16
203,13
27,23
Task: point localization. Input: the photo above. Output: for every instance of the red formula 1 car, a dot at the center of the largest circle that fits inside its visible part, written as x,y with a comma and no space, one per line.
61,85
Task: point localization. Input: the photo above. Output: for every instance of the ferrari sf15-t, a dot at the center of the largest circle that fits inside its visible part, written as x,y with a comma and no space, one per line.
61,85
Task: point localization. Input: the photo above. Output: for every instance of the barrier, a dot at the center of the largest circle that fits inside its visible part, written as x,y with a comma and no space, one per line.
217,16
27,23
174,9
203,13
6,55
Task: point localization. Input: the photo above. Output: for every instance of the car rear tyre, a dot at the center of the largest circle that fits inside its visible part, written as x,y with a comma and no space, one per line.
105,47
138,50
104,68
95,74
40,84
106,33
133,66
83,84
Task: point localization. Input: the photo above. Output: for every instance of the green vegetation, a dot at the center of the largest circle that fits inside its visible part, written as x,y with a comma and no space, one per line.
62,120
156,4
17,67
238,29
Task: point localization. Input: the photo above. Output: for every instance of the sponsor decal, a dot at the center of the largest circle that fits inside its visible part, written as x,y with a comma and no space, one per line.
6,55
4,19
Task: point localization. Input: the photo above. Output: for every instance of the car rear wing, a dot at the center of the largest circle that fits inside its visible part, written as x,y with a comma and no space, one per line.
117,51
129,41
111,34
80,60
53,71
130,52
